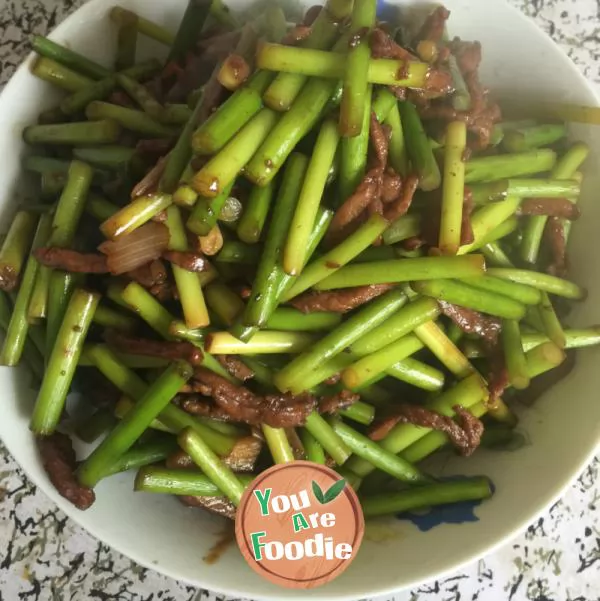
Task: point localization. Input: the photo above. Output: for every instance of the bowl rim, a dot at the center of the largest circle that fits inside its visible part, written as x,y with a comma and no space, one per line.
517,528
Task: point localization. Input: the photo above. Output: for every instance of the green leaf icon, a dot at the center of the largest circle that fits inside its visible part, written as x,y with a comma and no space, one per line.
318,493
335,490
330,494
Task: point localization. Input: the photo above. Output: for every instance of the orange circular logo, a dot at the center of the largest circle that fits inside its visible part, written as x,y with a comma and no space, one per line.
299,524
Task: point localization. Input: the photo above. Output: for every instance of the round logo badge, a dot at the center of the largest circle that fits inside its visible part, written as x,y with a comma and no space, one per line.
299,525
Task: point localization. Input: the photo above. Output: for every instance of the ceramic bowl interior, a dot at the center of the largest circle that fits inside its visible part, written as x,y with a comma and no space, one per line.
563,428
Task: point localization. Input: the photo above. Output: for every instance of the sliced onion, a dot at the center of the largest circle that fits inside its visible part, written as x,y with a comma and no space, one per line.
131,251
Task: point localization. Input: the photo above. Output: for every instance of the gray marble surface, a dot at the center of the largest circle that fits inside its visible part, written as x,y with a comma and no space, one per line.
44,556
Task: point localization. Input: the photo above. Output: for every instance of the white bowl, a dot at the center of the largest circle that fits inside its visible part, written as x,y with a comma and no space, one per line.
564,428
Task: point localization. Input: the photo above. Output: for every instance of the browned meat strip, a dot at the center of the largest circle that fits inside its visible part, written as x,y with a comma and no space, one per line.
149,183
399,93
155,348
179,460
366,199
413,243
339,301
471,430
333,380
554,234
379,136
278,411
198,405
400,206
433,28
238,402
8,278
149,275
497,376
275,410
381,428
244,454
187,260
295,443
466,229
552,207
354,206
391,186
483,114
464,431
288,410
60,463
382,46
376,207
242,459
236,367
438,83
468,55
479,123
71,260
335,402
165,292
218,505
472,322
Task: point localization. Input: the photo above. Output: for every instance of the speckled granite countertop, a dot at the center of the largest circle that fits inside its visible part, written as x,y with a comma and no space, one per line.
44,556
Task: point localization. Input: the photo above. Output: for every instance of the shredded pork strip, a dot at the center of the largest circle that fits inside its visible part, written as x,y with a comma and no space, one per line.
336,402
60,463
71,260
218,505
189,261
382,46
366,199
401,204
433,28
551,207
391,186
180,460
236,367
380,142
354,206
149,183
464,431
498,379
155,348
554,235
339,301
472,322
466,229
275,410
151,274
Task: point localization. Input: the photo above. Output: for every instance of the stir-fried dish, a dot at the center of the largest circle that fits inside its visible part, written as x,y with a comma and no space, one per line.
289,240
